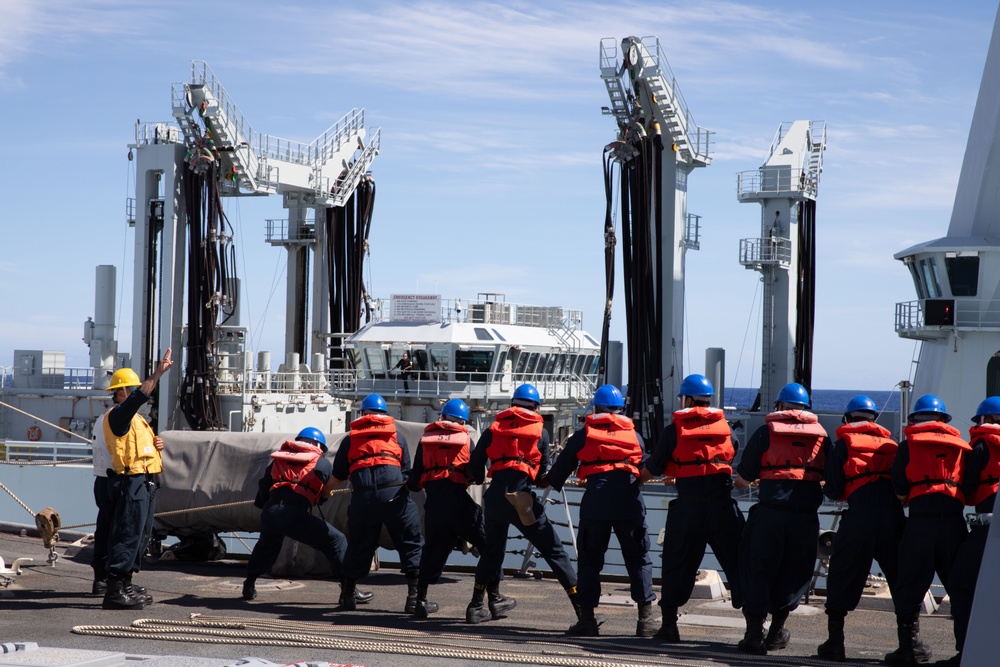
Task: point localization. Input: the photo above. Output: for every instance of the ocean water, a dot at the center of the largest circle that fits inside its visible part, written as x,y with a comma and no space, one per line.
824,400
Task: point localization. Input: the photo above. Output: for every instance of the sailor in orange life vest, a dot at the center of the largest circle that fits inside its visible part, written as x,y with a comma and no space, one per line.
450,514
695,451
376,458
517,449
607,455
927,477
132,482
981,478
778,548
857,471
298,478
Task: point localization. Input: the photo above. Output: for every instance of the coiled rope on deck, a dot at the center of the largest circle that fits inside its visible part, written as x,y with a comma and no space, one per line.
273,632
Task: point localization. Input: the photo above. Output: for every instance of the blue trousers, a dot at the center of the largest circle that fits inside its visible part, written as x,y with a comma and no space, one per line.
929,544
500,515
134,498
593,538
105,516
963,580
448,517
777,558
864,535
279,520
692,524
367,513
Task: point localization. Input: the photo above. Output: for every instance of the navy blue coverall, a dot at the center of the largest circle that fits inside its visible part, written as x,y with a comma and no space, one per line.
285,513
703,514
500,514
379,497
778,549
870,529
935,529
612,501
450,514
133,497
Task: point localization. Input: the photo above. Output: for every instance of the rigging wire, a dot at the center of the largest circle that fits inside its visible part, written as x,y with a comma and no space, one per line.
739,360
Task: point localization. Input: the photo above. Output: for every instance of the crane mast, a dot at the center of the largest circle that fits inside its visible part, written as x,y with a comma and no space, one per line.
658,146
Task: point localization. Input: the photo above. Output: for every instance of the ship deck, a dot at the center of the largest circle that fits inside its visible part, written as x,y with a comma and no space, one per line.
298,621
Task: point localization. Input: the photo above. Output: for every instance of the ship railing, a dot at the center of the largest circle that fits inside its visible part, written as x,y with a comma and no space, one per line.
760,252
280,232
485,311
773,180
26,451
933,318
485,385
57,377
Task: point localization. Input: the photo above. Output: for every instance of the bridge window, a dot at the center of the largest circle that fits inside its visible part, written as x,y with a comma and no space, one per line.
439,361
917,284
928,268
473,365
376,361
963,275
482,334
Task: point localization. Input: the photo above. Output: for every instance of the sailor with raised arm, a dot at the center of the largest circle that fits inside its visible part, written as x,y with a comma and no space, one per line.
132,482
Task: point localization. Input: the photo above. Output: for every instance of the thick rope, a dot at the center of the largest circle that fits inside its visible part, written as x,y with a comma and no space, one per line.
262,632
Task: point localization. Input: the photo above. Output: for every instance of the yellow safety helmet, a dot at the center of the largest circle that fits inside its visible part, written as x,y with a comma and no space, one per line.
124,377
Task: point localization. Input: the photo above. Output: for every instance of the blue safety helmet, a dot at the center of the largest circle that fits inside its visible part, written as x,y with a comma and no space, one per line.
861,403
608,396
373,403
312,434
991,406
793,392
526,393
930,404
697,386
457,408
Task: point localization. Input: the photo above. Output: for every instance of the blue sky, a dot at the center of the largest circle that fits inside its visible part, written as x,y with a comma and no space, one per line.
490,174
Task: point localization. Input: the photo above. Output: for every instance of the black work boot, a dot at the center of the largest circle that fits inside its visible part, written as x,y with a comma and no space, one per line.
250,589
668,631
753,640
646,625
117,598
363,597
423,607
100,586
778,635
586,623
498,604
477,612
411,594
911,651
348,595
138,592
833,647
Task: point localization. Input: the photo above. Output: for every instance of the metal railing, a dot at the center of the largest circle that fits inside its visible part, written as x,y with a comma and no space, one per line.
692,232
968,313
277,232
24,451
773,251
775,180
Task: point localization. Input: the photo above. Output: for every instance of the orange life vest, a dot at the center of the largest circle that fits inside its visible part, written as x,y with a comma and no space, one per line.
611,444
516,432
704,443
989,476
294,466
796,447
936,459
870,453
373,443
444,451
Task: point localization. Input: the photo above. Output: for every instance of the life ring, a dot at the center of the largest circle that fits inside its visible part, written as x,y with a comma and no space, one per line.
34,433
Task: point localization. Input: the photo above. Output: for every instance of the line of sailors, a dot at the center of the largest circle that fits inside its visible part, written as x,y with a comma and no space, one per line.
768,556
